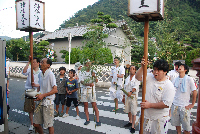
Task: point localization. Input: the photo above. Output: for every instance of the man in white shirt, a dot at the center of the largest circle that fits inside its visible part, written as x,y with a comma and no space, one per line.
44,113
181,107
7,72
29,104
173,74
117,74
88,94
159,96
132,87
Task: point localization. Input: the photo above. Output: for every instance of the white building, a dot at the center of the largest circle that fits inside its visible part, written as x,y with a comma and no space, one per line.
119,40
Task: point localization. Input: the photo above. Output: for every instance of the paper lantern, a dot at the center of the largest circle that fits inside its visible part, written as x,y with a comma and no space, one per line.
138,9
30,15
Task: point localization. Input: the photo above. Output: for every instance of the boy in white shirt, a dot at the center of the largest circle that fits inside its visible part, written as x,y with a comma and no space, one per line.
117,74
132,87
181,107
159,96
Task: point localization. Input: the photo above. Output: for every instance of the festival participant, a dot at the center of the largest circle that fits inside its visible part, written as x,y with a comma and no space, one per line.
159,96
44,113
181,108
60,96
117,74
71,85
173,74
88,94
132,87
29,104
78,67
8,72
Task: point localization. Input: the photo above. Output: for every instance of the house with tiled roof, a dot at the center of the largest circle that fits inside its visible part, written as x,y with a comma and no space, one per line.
119,40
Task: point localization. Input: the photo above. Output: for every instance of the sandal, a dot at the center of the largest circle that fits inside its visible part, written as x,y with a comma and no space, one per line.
114,110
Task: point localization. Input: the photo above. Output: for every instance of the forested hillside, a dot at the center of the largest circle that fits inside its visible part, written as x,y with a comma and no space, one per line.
181,17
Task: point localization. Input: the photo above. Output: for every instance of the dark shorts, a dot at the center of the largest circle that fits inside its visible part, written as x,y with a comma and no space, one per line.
8,76
60,98
29,105
69,101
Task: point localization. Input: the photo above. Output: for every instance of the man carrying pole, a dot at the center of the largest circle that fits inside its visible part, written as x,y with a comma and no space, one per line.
159,97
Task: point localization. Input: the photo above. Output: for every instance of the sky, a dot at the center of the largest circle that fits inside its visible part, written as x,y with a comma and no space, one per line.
56,11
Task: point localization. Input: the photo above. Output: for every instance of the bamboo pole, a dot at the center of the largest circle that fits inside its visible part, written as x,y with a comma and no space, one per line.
146,30
31,53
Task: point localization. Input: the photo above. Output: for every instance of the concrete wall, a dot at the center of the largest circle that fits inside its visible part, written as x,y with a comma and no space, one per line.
63,44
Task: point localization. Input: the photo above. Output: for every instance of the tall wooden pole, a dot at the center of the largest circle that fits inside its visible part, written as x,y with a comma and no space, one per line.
146,31
31,53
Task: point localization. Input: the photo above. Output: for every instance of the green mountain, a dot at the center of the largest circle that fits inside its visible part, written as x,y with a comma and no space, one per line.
181,16
5,38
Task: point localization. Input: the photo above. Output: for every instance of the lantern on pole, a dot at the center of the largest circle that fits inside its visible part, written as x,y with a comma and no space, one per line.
30,17
145,11
138,9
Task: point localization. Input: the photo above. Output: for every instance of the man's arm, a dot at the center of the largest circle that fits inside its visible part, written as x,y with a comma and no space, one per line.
87,84
74,90
194,97
139,73
38,89
26,67
53,91
120,76
158,105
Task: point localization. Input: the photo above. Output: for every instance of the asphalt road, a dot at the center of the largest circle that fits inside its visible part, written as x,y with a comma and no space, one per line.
111,123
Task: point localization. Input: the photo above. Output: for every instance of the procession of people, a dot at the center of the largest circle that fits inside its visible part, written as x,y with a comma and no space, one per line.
167,94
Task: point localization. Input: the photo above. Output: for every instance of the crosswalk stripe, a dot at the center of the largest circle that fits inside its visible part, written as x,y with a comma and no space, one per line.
117,116
104,128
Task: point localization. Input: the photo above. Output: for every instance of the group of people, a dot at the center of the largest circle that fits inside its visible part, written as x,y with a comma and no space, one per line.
60,89
167,95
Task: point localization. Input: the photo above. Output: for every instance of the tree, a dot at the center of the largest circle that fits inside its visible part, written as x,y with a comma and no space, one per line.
191,55
17,50
103,56
74,55
41,49
94,37
137,51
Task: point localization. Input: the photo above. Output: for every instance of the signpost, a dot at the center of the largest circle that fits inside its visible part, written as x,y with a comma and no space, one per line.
69,39
145,11
30,17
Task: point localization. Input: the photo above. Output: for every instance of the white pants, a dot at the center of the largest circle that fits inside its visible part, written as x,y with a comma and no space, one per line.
159,126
